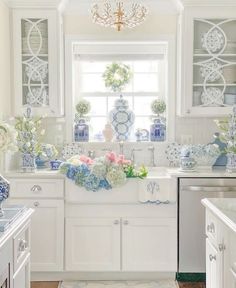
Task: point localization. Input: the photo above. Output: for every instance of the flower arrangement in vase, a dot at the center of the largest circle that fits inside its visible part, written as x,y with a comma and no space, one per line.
158,128
29,135
81,129
228,136
116,77
104,172
7,142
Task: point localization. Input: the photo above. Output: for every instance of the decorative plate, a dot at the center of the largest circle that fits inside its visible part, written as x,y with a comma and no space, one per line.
212,97
213,41
173,154
70,150
212,71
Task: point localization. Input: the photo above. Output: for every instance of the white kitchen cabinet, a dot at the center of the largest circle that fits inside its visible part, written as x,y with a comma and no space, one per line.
214,266
22,276
93,244
47,233
121,244
37,58
207,61
149,244
15,253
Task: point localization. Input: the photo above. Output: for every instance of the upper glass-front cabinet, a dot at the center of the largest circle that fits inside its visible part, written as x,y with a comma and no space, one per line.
36,39
209,78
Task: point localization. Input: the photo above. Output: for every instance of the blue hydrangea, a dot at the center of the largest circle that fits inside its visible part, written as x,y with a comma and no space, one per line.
92,183
104,184
71,172
81,175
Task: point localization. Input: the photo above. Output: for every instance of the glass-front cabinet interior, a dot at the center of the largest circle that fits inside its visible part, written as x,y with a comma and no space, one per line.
214,63
35,78
207,42
36,62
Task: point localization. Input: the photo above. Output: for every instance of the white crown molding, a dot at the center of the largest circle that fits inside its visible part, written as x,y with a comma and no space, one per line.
178,5
187,3
36,4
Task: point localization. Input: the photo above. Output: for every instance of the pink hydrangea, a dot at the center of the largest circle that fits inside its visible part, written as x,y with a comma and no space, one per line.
111,156
86,160
122,161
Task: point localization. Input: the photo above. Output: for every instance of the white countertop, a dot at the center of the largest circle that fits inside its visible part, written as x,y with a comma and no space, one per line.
4,236
224,209
153,172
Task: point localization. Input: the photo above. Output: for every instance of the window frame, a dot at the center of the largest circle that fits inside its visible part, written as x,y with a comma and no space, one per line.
71,40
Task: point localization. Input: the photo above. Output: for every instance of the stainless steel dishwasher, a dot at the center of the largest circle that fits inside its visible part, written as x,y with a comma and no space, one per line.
191,252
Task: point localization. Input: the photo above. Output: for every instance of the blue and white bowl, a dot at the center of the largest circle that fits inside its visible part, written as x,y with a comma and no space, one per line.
55,164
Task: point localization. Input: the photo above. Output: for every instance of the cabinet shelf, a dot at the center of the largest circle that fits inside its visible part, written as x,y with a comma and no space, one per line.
35,85
216,55
30,55
214,85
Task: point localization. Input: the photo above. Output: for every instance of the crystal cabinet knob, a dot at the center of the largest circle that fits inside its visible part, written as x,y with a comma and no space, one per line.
211,228
22,245
126,222
36,204
116,222
221,247
212,257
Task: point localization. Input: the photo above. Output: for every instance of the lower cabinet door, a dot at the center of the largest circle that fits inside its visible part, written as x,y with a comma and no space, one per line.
149,244
47,233
232,279
21,279
214,267
92,244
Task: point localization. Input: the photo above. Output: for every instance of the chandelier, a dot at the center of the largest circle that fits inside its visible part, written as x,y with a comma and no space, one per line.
115,15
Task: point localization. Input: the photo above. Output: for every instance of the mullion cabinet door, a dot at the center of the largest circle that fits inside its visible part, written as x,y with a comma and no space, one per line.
36,62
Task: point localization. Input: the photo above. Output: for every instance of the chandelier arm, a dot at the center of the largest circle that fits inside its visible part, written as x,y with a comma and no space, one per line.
119,18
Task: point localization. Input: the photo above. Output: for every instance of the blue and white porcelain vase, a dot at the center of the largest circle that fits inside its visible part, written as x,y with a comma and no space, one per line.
187,162
231,162
81,130
4,193
28,162
158,131
122,119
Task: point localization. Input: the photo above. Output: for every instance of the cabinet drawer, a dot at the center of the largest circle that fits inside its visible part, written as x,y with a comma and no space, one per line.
212,228
37,188
21,245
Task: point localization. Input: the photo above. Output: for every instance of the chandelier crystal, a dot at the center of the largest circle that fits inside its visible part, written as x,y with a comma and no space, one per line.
115,15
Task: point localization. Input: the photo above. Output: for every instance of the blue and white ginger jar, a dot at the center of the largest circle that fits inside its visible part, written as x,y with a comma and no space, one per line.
4,192
81,130
158,131
122,119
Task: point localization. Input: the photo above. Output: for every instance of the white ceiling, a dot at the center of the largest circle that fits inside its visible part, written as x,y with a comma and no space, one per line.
154,6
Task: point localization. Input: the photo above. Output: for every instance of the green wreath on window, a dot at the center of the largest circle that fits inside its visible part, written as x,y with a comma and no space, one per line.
117,76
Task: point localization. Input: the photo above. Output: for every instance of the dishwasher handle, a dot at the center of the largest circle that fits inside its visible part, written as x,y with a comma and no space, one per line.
209,188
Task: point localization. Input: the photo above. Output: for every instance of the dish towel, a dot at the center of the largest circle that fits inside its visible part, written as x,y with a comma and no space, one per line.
155,191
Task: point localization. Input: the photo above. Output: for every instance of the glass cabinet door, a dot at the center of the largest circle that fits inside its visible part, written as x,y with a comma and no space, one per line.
35,76
214,63
37,62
